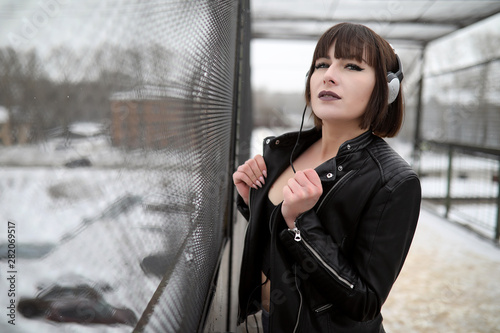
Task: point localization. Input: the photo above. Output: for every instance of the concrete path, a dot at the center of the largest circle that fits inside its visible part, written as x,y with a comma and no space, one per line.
450,282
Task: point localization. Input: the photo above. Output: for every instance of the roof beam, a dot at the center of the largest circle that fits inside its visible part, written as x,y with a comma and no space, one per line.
257,18
406,42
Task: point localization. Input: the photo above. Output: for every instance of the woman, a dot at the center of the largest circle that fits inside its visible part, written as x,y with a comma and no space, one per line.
325,244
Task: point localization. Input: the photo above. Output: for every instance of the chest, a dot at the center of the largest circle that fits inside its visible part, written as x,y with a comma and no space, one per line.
305,161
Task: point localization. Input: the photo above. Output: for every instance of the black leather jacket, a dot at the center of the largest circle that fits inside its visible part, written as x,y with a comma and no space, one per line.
334,272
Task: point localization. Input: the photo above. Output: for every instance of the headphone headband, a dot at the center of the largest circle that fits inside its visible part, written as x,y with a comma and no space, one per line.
399,73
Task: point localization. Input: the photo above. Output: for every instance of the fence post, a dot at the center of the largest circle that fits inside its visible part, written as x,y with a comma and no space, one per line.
448,181
497,229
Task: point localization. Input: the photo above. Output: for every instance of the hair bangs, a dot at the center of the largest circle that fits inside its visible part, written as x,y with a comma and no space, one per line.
351,42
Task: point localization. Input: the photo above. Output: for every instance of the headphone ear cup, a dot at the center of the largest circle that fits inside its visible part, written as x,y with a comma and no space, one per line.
393,85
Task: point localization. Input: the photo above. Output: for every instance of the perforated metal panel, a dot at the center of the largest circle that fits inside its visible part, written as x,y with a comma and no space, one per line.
116,159
462,106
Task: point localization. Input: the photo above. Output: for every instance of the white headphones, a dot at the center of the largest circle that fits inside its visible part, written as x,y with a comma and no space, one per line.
394,81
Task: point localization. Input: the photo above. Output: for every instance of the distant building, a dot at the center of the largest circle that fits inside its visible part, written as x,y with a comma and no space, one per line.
146,118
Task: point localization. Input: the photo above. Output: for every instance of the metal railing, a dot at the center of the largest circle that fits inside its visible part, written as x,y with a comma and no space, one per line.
462,183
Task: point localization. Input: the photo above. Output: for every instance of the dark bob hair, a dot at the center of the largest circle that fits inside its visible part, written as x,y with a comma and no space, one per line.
355,41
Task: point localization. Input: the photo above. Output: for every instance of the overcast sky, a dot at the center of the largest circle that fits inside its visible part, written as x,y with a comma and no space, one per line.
280,65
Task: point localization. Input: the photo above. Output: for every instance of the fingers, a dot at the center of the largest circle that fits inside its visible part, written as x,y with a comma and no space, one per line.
313,177
301,193
259,167
304,186
253,172
307,176
260,161
240,176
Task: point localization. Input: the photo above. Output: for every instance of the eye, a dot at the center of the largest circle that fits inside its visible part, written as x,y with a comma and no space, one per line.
353,67
321,65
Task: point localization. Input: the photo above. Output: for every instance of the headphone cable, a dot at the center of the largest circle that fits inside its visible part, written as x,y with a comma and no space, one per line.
298,138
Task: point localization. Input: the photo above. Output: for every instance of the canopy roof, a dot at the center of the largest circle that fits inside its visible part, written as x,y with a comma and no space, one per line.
413,22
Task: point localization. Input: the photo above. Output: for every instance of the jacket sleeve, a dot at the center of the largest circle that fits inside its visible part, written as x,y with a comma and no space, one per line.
358,284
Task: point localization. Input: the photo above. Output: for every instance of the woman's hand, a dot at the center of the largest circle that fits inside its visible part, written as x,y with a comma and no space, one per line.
300,194
250,174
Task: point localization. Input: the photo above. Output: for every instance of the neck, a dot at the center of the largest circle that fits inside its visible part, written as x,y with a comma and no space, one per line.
334,136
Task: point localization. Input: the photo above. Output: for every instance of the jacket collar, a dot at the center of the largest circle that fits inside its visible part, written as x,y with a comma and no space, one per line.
353,145
310,136
328,171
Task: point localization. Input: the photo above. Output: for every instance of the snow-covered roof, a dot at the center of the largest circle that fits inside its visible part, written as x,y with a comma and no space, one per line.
4,115
85,128
146,92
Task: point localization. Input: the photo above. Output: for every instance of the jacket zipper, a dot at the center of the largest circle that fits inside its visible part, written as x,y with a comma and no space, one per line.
329,268
298,238
342,180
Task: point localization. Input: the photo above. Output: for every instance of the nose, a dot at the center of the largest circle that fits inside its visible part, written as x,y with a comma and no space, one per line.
330,75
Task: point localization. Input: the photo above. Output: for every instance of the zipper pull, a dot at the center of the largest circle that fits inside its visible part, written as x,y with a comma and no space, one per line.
297,236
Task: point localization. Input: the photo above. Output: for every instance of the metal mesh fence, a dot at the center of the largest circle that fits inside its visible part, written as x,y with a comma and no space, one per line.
462,106
459,158
116,138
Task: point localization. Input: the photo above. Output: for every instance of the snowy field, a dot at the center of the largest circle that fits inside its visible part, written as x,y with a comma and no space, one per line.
94,225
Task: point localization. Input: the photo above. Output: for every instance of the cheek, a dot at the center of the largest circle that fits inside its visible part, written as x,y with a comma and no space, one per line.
313,87
317,77
366,90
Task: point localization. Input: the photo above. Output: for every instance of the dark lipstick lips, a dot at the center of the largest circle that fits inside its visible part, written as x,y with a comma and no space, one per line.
329,94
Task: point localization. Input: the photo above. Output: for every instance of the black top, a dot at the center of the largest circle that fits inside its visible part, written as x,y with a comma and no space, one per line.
266,256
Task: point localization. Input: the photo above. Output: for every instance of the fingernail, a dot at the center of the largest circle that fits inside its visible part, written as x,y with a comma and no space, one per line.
255,186
259,184
262,180
264,172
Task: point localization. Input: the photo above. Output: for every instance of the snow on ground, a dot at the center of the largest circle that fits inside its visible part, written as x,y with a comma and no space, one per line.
88,129
449,283
57,152
48,203
94,224
107,253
